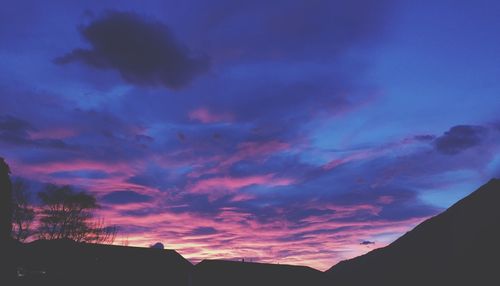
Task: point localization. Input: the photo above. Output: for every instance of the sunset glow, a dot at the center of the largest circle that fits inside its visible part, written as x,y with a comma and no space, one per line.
286,131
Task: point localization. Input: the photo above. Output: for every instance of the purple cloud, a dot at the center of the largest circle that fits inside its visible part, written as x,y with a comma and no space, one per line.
125,197
203,231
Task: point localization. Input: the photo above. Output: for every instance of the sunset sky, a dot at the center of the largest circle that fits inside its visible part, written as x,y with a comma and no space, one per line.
299,132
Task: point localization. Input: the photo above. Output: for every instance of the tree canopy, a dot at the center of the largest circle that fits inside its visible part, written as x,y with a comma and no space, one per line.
69,214
23,213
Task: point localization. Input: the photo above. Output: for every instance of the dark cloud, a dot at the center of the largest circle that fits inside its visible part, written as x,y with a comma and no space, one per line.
144,52
143,212
144,139
134,229
153,177
274,29
201,204
277,63
89,174
459,138
12,124
203,230
303,235
424,137
367,242
407,210
299,214
125,197
61,134
15,131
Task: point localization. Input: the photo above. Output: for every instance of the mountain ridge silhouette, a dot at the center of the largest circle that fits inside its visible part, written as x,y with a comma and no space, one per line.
457,246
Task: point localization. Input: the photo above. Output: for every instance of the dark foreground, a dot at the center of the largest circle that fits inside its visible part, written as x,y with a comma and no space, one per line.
458,247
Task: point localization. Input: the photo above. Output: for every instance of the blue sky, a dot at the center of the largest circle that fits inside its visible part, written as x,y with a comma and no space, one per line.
283,131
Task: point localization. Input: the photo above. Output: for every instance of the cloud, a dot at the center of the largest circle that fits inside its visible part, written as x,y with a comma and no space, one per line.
289,67
88,174
231,183
12,124
203,230
282,93
125,197
263,29
460,138
424,137
144,52
204,115
367,242
16,131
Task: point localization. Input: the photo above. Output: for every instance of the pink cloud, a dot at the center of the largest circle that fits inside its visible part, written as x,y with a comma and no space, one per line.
320,241
365,154
232,183
204,115
255,151
74,165
368,153
239,235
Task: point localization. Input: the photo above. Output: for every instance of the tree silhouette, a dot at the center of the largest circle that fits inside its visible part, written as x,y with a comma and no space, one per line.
5,203
7,248
23,214
68,214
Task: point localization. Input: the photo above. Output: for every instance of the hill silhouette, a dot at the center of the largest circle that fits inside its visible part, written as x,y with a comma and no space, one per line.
457,247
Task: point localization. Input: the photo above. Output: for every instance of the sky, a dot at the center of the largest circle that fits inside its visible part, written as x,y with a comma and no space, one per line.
295,132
